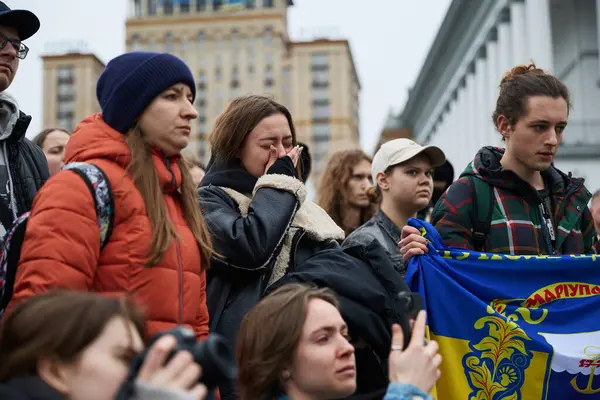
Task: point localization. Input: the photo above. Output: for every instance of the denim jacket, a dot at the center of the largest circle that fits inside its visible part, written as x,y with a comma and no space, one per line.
381,228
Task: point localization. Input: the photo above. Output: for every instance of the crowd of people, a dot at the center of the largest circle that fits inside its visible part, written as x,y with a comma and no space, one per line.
113,238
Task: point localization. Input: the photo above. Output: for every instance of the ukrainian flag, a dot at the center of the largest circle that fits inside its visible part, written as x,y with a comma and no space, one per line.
511,327
233,5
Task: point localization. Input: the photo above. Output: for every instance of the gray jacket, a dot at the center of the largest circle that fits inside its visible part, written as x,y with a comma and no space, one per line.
382,228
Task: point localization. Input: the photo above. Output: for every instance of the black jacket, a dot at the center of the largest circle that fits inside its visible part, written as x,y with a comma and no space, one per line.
255,237
250,237
382,228
27,166
27,388
366,284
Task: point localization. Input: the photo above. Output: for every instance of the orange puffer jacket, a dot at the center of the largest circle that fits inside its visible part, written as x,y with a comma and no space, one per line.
62,243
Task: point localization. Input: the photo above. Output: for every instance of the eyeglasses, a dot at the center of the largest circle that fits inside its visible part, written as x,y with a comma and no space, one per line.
21,49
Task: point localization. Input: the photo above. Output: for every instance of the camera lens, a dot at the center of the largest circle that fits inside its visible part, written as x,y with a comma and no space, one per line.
215,356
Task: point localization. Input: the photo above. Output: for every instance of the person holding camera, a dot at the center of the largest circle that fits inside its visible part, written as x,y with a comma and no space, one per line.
157,247
83,348
295,344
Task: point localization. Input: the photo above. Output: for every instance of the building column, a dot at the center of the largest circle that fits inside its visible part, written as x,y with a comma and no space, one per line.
492,80
144,7
505,58
454,131
460,151
481,96
518,33
539,32
471,108
209,5
598,29
259,4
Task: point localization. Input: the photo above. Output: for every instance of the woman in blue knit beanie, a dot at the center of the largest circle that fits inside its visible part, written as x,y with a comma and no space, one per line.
157,246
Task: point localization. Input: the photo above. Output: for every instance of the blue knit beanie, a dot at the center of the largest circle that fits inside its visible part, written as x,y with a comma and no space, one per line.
132,80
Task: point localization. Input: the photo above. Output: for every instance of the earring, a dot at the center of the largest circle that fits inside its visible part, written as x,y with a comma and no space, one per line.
286,375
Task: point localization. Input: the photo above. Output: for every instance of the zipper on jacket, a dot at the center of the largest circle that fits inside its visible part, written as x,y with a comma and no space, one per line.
545,232
177,248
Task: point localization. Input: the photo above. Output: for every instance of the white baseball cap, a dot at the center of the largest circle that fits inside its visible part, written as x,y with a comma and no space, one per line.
400,150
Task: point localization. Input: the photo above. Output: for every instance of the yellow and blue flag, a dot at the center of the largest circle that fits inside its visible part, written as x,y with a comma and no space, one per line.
510,327
233,5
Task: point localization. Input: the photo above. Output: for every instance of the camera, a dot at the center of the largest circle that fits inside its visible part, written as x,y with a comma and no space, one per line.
214,355
410,305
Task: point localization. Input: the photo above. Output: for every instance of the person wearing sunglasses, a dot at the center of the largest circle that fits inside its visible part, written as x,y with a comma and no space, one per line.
23,166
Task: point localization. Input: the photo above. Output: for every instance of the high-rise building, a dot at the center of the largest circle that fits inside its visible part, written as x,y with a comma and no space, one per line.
236,47
70,88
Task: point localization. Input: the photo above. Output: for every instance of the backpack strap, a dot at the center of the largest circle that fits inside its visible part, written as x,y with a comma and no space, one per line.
101,191
481,227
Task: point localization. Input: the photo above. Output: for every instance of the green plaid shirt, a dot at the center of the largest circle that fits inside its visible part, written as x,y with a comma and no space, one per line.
516,226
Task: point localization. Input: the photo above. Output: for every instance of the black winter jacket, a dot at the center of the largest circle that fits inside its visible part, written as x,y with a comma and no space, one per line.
268,234
27,166
27,388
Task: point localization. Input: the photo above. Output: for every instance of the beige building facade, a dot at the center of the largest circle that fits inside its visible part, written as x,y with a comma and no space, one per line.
239,47
69,93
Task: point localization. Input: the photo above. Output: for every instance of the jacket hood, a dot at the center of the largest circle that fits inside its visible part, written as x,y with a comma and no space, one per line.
230,174
486,166
94,139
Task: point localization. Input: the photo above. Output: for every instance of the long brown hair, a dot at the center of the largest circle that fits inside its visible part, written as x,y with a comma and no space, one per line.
521,83
239,119
60,325
268,337
146,180
332,186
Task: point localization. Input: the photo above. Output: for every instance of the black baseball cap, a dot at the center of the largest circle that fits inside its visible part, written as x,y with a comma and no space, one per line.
25,22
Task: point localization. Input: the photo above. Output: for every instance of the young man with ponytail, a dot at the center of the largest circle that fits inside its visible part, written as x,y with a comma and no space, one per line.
159,248
513,200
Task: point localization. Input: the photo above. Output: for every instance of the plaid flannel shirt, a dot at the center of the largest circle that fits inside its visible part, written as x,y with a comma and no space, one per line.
516,226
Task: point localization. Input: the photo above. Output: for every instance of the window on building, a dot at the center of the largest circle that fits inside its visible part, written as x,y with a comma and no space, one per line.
169,44
136,42
152,7
218,74
268,76
320,148
286,86
268,3
320,93
235,77
250,4
321,130
235,40
66,97
319,60
217,4
167,6
251,71
201,5
200,43
184,6
201,80
66,75
268,36
320,78
137,8
66,121
320,110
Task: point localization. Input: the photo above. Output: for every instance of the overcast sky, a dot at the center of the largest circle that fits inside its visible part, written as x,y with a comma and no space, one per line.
389,41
